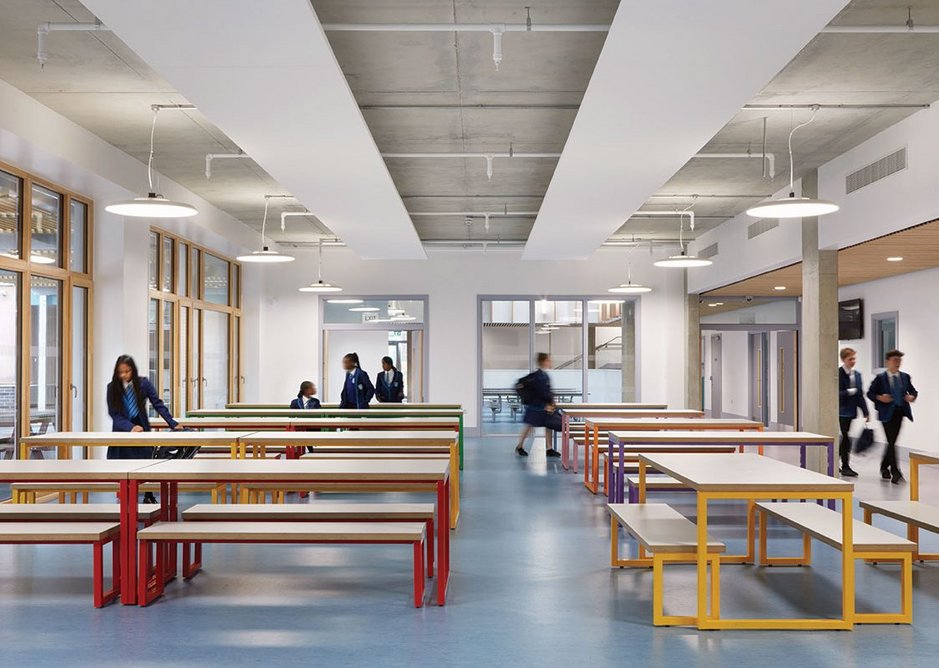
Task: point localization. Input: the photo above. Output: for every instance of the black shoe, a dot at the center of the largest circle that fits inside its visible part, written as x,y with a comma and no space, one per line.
551,452
847,472
149,498
885,474
897,477
520,451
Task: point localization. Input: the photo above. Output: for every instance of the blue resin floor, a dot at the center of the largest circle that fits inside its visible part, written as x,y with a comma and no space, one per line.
531,586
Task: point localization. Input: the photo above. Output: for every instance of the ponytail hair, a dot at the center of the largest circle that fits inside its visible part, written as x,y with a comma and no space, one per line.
305,385
354,358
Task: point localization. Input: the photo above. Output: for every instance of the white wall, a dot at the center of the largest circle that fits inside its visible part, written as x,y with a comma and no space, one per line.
38,140
453,281
913,297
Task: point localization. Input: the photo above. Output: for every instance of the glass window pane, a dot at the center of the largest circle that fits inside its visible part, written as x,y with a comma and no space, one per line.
79,380
78,224
236,285
45,226
350,310
167,361
153,259
559,332
196,373
506,356
153,341
182,266
9,215
166,258
611,351
236,359
181,402
195,279
215,283
215,362
45,349
9,368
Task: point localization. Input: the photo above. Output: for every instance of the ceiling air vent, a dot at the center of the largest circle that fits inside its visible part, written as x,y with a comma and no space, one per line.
761,226
710,251
875,171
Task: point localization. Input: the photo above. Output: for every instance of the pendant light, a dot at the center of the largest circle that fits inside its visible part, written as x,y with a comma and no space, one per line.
321,286
792,206
265,255
629,288
683,260
153,205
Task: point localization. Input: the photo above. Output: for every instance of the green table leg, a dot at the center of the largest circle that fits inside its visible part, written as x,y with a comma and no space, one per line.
461,442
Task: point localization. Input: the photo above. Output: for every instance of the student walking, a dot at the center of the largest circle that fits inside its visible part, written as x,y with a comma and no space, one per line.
850,401
357,390
893,393
389,385
540,409
306,397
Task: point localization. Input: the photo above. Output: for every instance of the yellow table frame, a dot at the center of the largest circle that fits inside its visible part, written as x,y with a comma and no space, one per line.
912,532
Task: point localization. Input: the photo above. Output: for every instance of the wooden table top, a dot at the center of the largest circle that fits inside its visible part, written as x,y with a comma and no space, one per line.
639,424
364,422
376,411
390,438
633,448
383,406
925,457
583,409
140,438
742,473
639,411
724,437
295,470
53,470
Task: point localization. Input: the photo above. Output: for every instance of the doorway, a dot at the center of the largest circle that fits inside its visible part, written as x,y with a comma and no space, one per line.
717,365
759,397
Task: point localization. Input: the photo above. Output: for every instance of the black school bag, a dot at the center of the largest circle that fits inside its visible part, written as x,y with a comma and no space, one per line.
166,452
524,388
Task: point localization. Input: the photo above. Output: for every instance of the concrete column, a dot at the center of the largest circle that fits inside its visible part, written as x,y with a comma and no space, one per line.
693,397
819,340
628,338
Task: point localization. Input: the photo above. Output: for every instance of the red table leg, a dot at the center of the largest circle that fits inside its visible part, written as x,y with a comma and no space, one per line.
443,540
128,501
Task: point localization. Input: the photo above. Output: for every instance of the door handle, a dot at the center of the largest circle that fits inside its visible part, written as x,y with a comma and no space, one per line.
74,391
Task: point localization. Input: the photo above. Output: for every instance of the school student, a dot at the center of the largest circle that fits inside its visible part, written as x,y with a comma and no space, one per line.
850,401
893,393
389,386
540,408
357,389
128,393
306,397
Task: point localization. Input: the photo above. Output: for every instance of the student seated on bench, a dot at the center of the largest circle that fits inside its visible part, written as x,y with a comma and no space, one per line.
540,408
306,398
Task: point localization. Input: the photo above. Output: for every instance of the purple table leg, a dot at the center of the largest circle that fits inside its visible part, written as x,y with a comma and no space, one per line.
802,455
611,474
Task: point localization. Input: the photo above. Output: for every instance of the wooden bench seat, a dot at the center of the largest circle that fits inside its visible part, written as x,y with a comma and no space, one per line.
196,533
654,482
71,492
670,537
257,492
318,512
73,512
96,534
869,543
915,514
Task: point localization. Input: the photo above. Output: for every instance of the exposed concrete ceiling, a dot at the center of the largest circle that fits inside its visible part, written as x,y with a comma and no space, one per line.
440,92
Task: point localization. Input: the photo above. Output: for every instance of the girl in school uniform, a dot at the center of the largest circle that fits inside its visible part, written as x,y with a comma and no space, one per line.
389,388
357,390
306,397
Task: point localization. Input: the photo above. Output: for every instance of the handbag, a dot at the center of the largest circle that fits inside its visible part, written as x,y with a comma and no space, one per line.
865,441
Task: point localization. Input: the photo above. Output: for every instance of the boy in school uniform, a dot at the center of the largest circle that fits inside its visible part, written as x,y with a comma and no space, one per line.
540,410
893,394
850,401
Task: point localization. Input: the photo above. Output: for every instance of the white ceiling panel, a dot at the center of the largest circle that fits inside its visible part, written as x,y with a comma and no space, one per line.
670,75
265,74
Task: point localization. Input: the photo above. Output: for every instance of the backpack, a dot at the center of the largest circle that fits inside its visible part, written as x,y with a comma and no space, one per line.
166,452
525,390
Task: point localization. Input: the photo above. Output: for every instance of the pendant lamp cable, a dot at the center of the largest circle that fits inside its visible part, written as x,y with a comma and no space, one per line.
319,266
150,159
792,167
267,202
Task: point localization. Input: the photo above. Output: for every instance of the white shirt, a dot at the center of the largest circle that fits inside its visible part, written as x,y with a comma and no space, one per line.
852,385
389,376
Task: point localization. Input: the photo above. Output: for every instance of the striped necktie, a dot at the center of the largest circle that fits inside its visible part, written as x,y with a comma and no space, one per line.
130,402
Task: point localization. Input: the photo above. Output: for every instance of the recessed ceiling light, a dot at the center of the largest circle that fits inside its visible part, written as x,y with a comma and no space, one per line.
716,304
780,287
345,301
895,258
365,309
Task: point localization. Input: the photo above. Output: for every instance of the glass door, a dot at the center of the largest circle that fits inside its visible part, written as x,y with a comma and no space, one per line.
559,331
195,370
215,353
45,368
78,355
506,348
10,362
182,391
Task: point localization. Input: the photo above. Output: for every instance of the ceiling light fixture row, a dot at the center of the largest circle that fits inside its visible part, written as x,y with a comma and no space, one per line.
153,205
321,286
792,206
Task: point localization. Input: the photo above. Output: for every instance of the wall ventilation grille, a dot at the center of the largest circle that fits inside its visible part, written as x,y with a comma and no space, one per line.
875,171
761,226
710,251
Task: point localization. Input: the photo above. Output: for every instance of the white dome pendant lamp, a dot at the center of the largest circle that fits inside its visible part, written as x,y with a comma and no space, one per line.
153,205
683,260
321,286
629,288
265,255
792,206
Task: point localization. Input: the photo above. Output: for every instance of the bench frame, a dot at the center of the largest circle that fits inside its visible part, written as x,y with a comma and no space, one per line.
150,589
905,559
912,534
657,562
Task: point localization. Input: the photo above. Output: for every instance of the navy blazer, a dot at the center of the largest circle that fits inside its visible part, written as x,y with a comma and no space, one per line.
298,403
542,394
119,418
364,391
390,394
881,385
850,404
